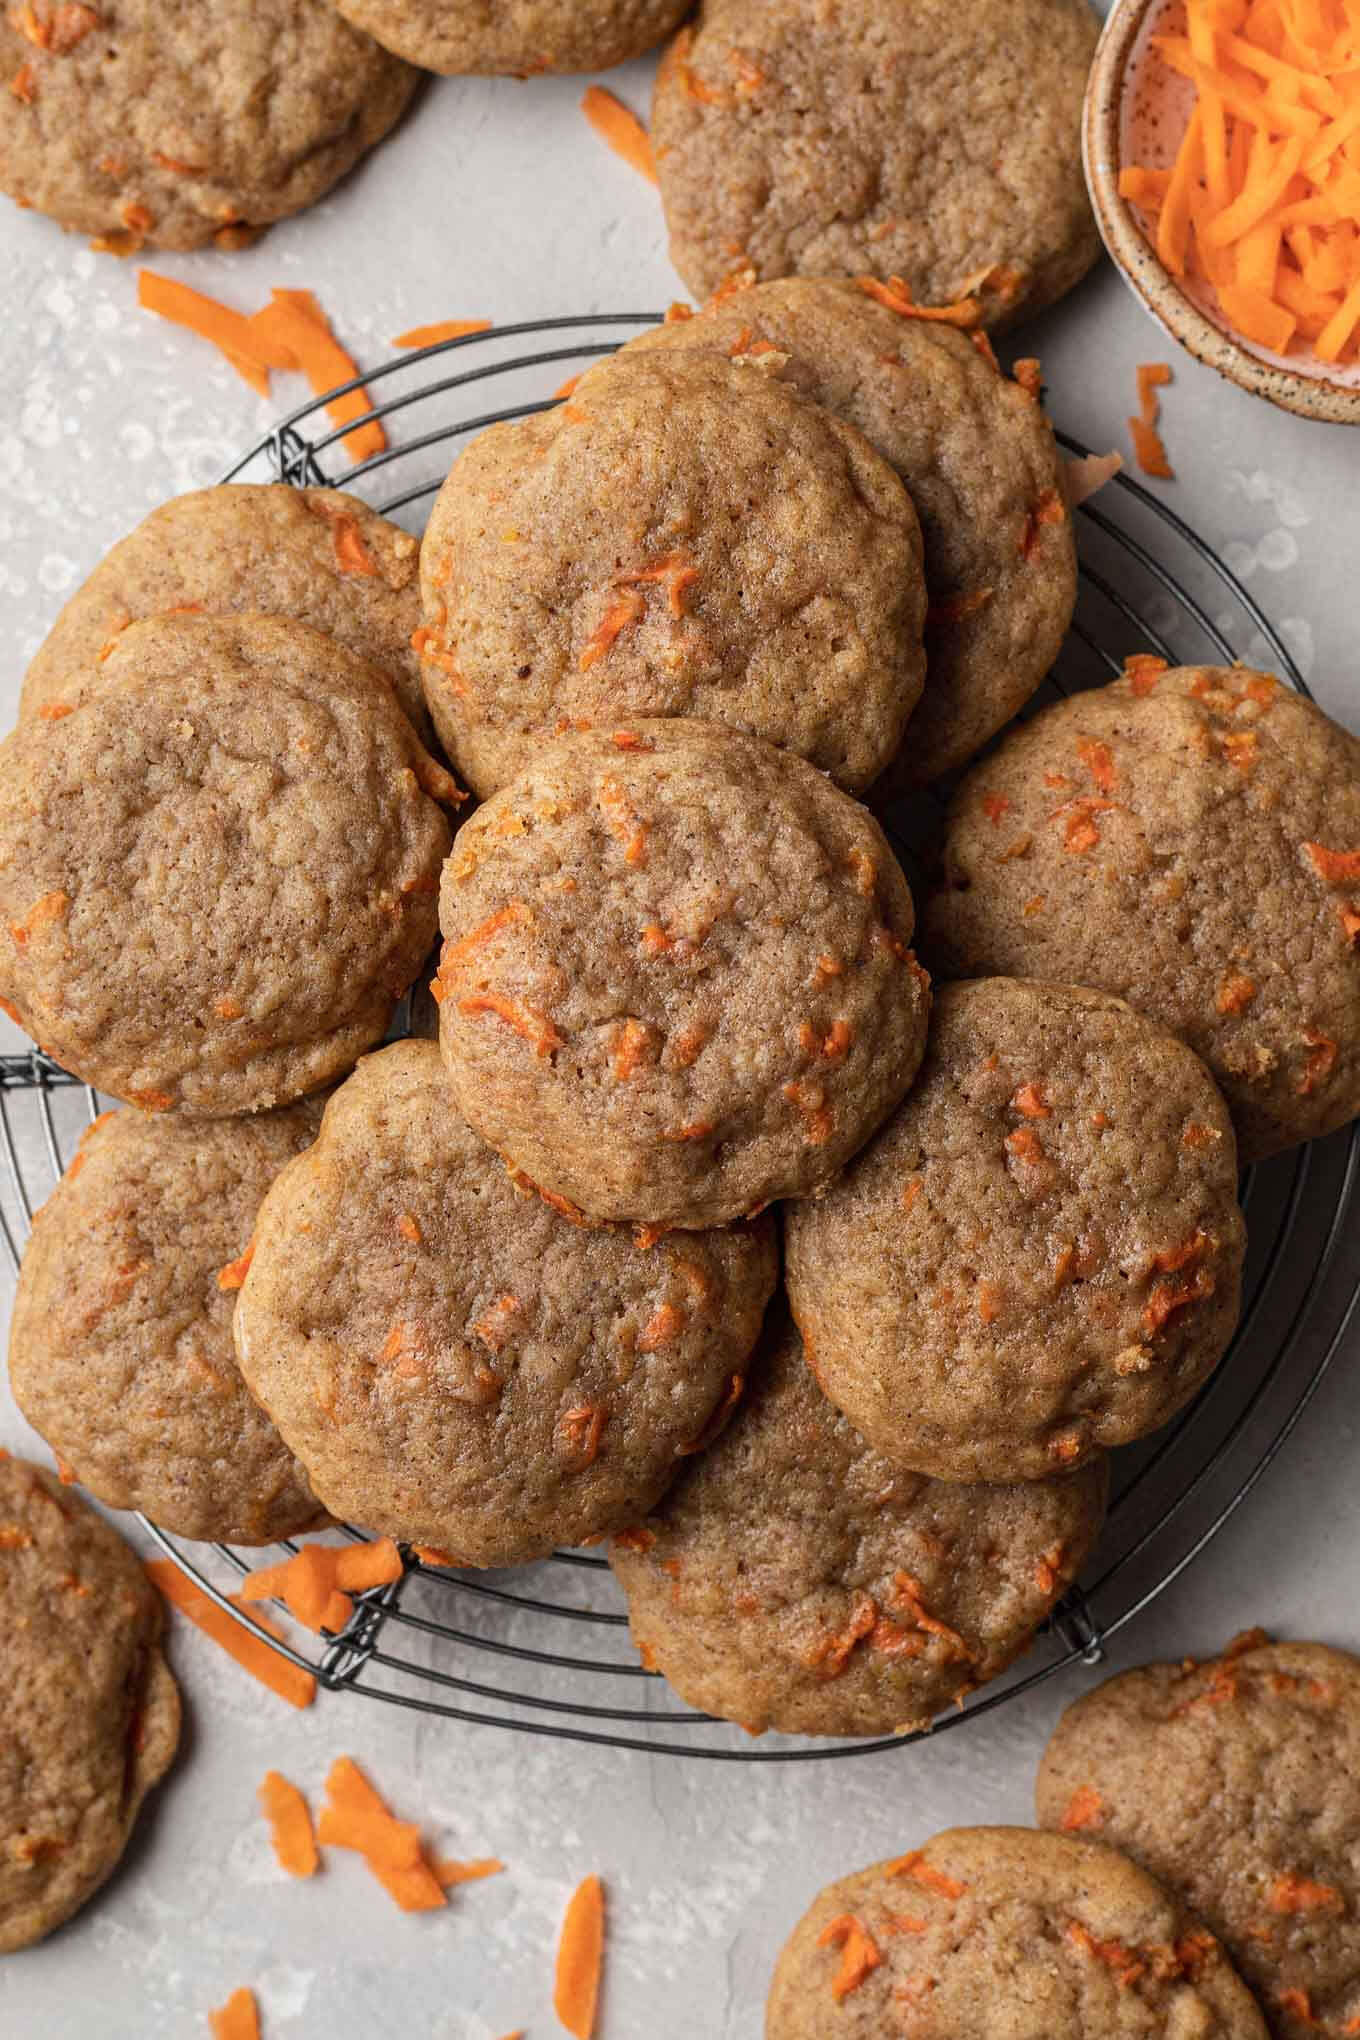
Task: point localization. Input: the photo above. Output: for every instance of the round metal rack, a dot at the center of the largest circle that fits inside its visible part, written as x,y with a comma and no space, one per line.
544,1649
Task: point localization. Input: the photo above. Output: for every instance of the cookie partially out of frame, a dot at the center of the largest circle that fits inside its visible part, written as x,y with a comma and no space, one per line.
1190,840
688,536
518,37
995,1931
91,1710
217,873
1041,1254
173,125
1236,1782
120,1349
978,459
675,981
795,1579
458,1364
937,143
314,556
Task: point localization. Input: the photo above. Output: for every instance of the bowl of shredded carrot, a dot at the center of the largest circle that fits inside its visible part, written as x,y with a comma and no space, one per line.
1222,149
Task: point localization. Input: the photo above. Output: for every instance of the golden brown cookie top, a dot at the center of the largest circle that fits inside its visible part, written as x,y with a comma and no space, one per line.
217,874
686,536
978,459
457,1363
315,556
994,1930
1040,1256
91,1711
795,1579
121,1352
675,980
1190,840
171,125
1236,1782
518,37
937,143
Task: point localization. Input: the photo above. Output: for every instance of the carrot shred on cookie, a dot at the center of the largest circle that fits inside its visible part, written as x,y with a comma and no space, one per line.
446,329
580,1958
290,1825
618,126
237,2019
254,1655
895,293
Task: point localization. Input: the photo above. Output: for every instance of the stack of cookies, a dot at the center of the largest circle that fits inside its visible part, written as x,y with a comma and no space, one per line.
515,1287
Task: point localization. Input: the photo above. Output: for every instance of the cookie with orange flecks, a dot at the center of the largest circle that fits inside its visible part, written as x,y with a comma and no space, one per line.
676,982
459,1365
1040,1255
218,872
173,126
318,556
687,536
1188,839
91,1710
795,1579
518,37
986,1932
938,144
120,1350
979,462
1237,1783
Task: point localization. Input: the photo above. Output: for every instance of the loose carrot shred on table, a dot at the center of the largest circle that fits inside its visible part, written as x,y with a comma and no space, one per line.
449,329
450,1872
357,1817
620,127
251,1652
290,1825
294,321
1149,450
237,2019
1262,201
580,1956
229,331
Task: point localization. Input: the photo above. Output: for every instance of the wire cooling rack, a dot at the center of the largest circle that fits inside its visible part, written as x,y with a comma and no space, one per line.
543,1649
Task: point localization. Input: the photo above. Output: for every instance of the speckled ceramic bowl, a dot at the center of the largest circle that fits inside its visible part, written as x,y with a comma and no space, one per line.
1136,112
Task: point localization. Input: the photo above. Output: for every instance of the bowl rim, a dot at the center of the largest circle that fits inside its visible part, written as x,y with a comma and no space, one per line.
1140,266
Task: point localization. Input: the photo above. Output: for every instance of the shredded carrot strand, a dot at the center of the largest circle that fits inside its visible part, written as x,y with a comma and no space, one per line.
237,2019
619,127
290,1825
580,1957
294,322
251,1651
447,329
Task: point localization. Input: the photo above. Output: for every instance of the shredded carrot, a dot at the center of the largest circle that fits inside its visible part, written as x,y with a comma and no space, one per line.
859,1953
914,1866
896,295
251,1651
235,1272
1149,451
1290,1893
290,1825
237,2019
449,1872
446,329
1083,1810
294,323
230,332
580,1955
357,1817
620,127
1262,202
316,1583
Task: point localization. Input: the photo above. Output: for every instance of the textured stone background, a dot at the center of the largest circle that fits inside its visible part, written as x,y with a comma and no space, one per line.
496,200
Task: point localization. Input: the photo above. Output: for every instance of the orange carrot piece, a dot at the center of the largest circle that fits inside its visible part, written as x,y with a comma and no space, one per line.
413,1885
359,1566
230,332
306,1585
293,320
580,1956
618,126
254,1655
449,1872
237,2019
386,1843
1149,450
290,1825
1152,376
447,329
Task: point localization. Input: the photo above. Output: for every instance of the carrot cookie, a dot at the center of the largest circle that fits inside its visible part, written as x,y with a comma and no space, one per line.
1237,1784
938,145
1190,840
518,37
795,1580
316,556
688,536
998,1931
217,874
120,1348
171,126
675,982
455,1362
91,1711
1041,1254
977,456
